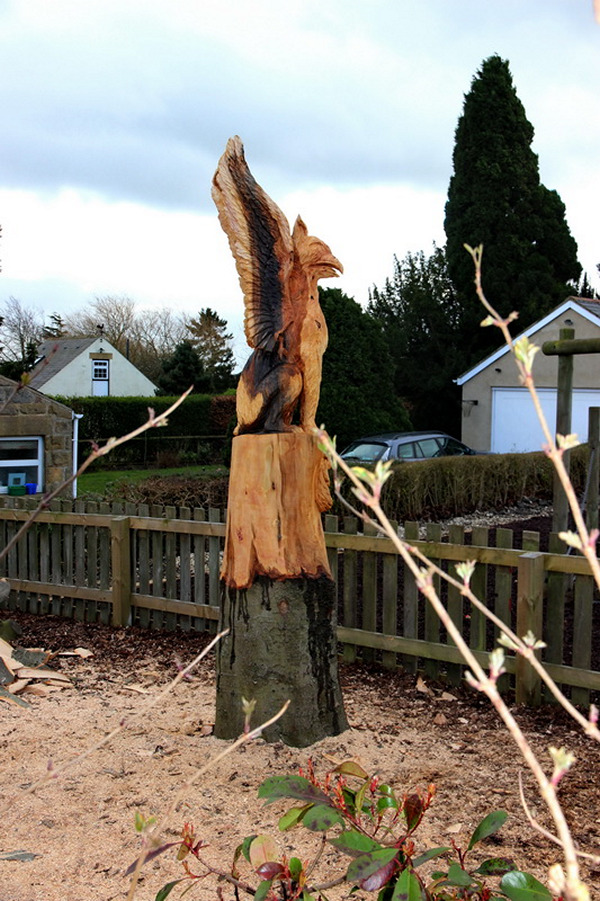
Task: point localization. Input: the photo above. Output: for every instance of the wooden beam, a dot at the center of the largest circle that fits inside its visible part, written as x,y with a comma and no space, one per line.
79,592
568,346
169,605
566,675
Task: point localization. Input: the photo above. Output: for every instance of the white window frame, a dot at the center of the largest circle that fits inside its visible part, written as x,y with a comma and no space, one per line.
16,464
100,376
104,364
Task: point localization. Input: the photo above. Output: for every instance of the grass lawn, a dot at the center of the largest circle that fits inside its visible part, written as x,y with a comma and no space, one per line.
95,482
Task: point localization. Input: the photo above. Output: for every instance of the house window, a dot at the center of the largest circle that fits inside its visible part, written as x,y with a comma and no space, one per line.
100,373
21,463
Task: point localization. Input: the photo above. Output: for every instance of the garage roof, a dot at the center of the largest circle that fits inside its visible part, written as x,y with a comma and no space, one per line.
585,306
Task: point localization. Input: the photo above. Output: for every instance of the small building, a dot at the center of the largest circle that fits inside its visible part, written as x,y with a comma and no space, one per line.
497,410
38,438
87,367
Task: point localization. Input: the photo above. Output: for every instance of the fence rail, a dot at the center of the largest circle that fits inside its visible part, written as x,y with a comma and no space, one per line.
159,568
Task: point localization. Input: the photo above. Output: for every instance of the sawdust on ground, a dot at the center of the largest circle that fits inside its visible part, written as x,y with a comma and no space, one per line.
80,825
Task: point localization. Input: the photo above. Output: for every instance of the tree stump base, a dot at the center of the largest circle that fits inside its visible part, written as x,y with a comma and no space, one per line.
282,644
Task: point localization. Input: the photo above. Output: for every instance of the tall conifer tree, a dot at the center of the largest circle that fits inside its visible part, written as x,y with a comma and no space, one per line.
213,345
357,390
495,198
417,311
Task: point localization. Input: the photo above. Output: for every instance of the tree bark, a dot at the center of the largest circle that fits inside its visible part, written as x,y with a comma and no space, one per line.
281,645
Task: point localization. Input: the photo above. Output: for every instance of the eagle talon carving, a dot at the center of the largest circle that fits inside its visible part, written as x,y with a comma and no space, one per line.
279,272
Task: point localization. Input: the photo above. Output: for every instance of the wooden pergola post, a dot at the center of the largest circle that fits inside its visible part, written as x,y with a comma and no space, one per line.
566,348
593,488
564,413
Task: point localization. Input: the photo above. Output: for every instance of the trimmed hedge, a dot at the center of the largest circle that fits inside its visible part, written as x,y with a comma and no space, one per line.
177,491
455,486
181,440
435,489
107,417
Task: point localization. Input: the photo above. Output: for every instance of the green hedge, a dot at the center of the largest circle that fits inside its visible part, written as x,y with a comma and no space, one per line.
107,417
181,440
432,490
455,486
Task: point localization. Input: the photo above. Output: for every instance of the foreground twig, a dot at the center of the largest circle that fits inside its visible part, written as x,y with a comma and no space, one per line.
53,772
152,835
367,487
512,640
545,832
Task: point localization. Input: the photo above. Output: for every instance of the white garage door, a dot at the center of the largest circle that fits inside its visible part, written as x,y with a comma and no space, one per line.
514,423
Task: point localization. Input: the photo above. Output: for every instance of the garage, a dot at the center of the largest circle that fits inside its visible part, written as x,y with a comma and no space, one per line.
515,426
497,411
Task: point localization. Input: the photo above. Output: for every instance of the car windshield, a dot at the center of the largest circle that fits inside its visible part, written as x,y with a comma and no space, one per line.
369,451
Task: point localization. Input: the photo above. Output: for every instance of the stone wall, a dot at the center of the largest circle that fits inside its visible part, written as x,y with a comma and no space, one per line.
24,412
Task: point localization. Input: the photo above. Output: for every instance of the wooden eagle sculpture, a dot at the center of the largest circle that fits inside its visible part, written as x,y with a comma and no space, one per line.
278,271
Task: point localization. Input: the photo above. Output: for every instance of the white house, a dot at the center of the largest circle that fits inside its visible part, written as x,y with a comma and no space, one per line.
497,411
84,367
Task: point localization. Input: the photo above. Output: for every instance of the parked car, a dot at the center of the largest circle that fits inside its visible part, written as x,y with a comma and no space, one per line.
408,446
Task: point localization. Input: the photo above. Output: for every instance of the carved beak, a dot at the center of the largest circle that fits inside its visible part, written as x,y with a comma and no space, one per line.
328,267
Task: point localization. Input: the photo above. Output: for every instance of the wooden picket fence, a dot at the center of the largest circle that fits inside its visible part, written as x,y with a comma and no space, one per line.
159,568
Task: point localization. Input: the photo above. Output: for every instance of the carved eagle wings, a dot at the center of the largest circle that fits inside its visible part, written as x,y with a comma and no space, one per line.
261,243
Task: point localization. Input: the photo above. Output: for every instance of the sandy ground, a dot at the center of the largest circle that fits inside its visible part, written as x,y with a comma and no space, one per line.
80,825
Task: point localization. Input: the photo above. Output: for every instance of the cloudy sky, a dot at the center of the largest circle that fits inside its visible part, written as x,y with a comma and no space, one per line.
115,113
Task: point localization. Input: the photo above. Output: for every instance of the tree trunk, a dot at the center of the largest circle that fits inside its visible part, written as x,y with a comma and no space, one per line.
278,599
281,645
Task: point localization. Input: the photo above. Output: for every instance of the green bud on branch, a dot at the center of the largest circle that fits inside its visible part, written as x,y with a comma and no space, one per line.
530,641
571,538
563,760
465,571
248,707
525,352
507,642
566,442
496,664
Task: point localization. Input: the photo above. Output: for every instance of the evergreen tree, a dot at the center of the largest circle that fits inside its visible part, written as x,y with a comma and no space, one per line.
213,345
495,198
418,313
358,394
586,289
56,327
182,369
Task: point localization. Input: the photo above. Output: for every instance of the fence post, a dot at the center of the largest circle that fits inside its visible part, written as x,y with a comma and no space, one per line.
120,542
530,597
594,468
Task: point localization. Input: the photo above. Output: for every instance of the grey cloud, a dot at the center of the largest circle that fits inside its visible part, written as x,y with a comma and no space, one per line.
143,115
85,117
